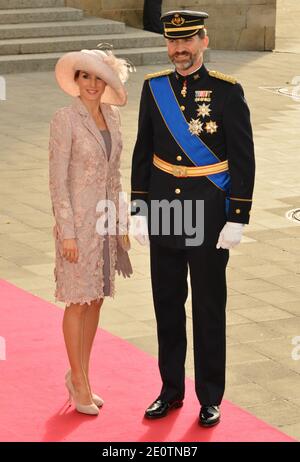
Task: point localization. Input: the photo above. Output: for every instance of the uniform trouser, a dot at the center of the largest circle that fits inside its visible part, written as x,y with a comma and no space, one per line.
151,15
169,269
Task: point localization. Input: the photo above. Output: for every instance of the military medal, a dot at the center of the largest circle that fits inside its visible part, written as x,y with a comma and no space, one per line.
203,110
195,127
184,89
211,127
203,95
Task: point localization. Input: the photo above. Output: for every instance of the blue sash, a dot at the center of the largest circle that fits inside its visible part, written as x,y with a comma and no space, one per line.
195,149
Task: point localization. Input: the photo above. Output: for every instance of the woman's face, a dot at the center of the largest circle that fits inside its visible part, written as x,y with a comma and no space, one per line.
90,86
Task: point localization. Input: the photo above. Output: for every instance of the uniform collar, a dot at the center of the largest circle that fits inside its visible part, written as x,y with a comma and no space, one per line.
194,76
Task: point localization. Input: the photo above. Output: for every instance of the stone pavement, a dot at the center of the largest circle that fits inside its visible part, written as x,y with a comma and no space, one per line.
263,275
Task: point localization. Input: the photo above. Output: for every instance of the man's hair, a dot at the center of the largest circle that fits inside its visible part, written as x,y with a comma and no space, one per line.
202,33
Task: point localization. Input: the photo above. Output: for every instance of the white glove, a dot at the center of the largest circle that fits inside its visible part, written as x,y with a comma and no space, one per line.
230,236
139,229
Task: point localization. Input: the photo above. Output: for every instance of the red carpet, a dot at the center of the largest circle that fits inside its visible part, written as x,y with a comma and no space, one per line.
32,393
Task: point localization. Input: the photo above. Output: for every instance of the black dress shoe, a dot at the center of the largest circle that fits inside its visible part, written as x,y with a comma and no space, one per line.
209,416
161,408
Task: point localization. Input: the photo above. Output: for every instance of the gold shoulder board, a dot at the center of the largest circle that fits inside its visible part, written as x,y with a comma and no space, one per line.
221,76
158,74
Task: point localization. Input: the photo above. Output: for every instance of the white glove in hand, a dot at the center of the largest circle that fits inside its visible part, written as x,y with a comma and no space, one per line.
230,236
139,229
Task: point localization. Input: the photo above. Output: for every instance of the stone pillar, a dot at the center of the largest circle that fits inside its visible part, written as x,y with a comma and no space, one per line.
232,25
288,26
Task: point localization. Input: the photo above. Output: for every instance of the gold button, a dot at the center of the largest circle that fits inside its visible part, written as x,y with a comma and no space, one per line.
179,158
237,211
182,108
177,191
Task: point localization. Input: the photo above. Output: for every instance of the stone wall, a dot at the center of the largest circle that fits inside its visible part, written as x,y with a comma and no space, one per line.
128,11
233,24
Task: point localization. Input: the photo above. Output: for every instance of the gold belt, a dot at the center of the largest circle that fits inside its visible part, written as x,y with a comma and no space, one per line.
181,171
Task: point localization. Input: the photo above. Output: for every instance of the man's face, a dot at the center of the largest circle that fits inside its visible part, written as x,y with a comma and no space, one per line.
184,53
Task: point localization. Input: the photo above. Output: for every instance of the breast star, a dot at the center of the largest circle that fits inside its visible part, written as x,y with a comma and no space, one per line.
195,126
211,127
203,110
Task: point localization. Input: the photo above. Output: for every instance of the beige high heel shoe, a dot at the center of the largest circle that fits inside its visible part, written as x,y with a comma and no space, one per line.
97,400
90,409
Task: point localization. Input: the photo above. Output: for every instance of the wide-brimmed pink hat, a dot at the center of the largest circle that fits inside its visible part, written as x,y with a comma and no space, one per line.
104,64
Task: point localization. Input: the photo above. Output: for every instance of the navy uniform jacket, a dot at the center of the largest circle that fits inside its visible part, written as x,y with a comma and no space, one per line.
229,137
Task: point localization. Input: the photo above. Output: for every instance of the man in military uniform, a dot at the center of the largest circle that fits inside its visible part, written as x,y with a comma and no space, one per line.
194,145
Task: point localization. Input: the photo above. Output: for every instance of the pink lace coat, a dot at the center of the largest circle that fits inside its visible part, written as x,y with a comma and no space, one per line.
79,176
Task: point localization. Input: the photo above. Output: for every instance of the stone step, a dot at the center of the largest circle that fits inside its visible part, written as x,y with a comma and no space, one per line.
86,26
30,4
134,38
46,61
33,15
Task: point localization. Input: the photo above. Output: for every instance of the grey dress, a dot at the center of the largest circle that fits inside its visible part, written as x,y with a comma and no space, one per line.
107,140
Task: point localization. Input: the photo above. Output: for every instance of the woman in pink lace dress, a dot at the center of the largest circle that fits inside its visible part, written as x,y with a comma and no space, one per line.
84,169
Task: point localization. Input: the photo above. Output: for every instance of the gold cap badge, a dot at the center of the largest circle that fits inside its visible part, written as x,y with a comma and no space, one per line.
177,20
